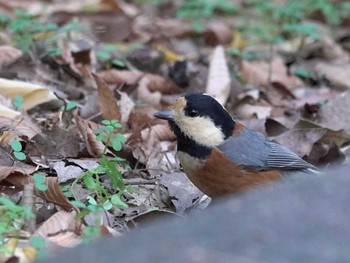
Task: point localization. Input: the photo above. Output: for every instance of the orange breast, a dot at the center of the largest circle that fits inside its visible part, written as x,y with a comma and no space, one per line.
218,176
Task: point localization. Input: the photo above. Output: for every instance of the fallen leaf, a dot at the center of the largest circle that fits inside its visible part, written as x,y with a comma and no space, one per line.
148,149
55,229
247,111
218,84
57,142
8,113
147,59
125,77
8,55
126,106
182,191
13,129
301,139
72,168
32,94
53,194
335,115
19,168
218,33
108,104
257,72
144,94
86,128
337,73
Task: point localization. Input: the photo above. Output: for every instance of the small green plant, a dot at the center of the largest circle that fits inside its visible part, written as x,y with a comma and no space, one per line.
104,199
109,134
333,11
71,105
203,9
17,150
247,55
39,182
18,101
28,32
106,56
12,220
278,21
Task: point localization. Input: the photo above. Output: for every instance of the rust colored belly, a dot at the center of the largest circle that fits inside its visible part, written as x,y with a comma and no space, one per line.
218,176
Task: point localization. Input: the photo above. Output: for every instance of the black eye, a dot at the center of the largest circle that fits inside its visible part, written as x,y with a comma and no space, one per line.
193,113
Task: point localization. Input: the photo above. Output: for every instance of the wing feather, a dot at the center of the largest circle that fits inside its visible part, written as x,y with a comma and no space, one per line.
255,152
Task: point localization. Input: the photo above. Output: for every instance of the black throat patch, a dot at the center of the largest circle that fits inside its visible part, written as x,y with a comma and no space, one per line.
189,146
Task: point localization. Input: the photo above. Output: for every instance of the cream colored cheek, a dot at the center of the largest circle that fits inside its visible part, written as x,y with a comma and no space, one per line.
200,129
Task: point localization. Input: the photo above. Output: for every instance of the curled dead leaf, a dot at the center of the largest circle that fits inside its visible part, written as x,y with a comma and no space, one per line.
125,77
108,104
6,171
257,73
33,94
58,225
9,54
53,194
12,129
218,84
218,33
86,128
336,73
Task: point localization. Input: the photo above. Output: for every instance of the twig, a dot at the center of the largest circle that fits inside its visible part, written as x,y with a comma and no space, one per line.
139,181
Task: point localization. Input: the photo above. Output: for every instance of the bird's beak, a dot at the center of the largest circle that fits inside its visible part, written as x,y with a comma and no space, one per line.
165,115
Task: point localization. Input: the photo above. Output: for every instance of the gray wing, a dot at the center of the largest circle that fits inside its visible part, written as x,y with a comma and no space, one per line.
254,152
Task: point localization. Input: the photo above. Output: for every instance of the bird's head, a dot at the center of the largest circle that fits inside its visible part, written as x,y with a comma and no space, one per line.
198,117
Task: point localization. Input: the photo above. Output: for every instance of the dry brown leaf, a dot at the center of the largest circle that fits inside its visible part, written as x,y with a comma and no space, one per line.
12,129
337,73
66,239
325,48
32,94
20,168
108,104
56,142
128,9
116,26
86,129
161,84
60,222
71,170
218,33
9,54
147,28
247,111
182,190
53,194
335,115
120,77
218,84
256,73
126,106
159,132
300,140
148,146
23,126
156,82
141,116
144,94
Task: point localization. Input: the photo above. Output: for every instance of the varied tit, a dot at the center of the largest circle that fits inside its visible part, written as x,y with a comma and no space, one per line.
218,154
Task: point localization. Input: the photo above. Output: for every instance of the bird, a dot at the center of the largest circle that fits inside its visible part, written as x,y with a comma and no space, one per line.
220,155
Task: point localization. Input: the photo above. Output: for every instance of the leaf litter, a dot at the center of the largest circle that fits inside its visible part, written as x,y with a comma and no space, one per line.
127,66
